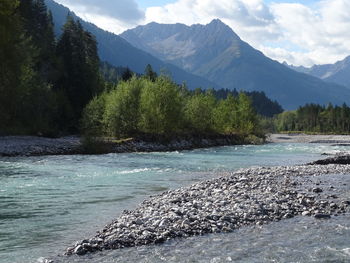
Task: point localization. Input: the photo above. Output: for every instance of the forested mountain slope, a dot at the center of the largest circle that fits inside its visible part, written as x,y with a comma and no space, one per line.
118,52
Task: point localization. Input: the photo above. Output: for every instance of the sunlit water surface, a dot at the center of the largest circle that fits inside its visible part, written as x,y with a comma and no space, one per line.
47,203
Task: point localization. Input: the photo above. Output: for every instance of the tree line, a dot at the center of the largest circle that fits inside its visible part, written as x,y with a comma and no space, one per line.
263,105
156,105
315,118
44,83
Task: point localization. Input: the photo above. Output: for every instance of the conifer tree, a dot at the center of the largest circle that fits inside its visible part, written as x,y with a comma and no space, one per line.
11,43
150,74
80,78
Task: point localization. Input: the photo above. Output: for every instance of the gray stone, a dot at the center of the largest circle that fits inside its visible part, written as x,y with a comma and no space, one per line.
306,213
80,250
322,216
317,190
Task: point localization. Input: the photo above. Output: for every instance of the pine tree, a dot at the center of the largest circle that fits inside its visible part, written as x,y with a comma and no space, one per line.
38,26
80,78
150,74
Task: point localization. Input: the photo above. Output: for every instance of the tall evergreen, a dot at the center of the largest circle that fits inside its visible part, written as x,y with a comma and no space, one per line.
149,73
79,66
38,26
11,61
23,93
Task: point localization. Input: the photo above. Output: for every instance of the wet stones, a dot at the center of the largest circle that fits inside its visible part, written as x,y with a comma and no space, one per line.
340,159
253,196
322,216
317,190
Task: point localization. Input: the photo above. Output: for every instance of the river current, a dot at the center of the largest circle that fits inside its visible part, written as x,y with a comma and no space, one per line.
47,203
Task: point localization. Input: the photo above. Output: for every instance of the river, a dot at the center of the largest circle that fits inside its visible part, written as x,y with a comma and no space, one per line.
49,202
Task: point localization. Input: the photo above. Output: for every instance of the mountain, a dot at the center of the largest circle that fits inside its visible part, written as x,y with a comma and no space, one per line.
215,52
338,72
118,52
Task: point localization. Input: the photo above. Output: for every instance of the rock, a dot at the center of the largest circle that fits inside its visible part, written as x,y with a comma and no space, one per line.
306,213
317,190
322,216
80,250
343,159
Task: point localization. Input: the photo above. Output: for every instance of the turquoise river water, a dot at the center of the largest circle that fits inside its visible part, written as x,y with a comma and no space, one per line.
47,203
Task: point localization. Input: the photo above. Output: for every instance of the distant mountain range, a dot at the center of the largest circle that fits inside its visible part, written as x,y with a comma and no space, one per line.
338,72
207,56
214,51
118,52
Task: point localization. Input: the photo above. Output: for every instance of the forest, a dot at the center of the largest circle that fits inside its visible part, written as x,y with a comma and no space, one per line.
52,86
316,119
45,82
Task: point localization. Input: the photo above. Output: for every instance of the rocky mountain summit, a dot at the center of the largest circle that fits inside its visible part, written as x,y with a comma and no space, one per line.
216,52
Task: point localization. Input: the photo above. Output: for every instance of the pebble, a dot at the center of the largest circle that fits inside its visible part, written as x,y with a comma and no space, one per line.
317,190
322,216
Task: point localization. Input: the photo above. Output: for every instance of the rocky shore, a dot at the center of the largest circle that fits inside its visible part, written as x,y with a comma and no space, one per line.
158,144
306,138
338,159
254,196
33,146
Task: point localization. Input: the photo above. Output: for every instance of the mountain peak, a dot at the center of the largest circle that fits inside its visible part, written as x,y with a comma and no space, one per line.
216,25
347,59
217,21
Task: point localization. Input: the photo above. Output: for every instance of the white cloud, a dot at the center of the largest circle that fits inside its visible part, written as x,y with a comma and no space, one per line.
111,15
290,32
323,33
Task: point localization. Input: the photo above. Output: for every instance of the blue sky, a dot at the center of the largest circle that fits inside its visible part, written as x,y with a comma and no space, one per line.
300,32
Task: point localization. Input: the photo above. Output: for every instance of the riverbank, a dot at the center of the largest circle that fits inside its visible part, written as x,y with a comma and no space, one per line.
253,196
305,138
36,146
33,145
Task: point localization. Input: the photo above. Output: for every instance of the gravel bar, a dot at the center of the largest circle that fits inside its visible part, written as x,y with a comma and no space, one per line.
33,145
253,196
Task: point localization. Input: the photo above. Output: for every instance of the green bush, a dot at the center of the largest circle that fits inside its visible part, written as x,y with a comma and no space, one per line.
121,113
158,106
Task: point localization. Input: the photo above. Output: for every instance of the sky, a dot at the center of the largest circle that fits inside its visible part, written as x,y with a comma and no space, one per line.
300,32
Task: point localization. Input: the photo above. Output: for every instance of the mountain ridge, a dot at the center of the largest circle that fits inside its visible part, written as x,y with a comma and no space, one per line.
338,72
119,52
216,52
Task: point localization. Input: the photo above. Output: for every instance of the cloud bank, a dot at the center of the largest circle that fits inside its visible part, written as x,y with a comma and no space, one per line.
292,32
300,34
